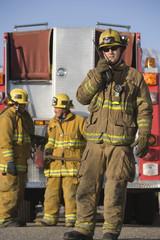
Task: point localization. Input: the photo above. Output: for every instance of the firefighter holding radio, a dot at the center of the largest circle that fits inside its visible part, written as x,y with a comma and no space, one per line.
119,104
65,134
15,148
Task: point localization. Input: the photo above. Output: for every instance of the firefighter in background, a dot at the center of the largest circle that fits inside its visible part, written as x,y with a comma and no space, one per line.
119,105
65,135
15,148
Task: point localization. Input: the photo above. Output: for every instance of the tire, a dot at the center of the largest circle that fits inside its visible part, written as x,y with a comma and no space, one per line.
128,209
27,212
145,208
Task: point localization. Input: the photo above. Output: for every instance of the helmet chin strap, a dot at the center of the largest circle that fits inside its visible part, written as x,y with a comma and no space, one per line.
16,106
65,111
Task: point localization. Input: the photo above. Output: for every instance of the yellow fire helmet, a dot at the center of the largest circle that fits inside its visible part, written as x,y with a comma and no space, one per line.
112,38
18,95
62,101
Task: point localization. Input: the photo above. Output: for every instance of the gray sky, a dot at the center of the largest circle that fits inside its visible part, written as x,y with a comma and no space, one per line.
142,15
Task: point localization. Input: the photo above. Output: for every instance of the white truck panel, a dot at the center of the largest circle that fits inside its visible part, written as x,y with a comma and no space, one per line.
40,97
73,51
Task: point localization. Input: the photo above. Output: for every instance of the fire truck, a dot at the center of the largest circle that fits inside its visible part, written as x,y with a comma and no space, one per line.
46,62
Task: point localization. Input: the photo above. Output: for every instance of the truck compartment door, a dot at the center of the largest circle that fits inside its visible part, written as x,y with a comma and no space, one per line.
73,57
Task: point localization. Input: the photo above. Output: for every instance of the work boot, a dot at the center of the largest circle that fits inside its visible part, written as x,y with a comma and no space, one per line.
110,236
45,223
74,235
70,224
10,224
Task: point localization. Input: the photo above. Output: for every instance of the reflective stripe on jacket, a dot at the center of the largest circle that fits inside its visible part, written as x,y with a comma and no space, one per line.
67,140
15,141
115,118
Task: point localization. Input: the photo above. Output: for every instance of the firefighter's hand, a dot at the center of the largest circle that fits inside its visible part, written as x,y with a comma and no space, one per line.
103,71
143,145
102,66
47,152
11,168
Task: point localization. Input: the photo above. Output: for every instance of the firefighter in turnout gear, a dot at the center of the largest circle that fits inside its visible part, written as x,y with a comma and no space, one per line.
15,148
119,105
65,136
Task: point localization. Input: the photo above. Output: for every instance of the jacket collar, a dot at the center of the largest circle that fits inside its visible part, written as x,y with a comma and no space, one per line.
119,67
69,116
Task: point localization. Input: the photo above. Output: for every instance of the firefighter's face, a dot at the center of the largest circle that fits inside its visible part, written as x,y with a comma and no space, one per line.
59,112
21,108
111,53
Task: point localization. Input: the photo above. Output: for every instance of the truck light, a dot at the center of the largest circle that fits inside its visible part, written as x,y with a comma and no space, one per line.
152,140
150,78
152,155
138,38
41,122
150,169
153,97
150,63
1,78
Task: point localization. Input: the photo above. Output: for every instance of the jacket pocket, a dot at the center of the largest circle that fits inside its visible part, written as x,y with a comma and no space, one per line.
123,107
96,122
121,132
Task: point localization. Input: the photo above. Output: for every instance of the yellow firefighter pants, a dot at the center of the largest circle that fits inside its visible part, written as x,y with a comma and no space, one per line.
52,199
11,195
119,164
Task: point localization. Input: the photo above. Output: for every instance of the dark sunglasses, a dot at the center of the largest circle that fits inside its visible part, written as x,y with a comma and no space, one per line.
114,48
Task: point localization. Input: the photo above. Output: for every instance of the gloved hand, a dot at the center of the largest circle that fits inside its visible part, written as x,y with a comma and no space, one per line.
103,70
143,145
47,152
102,66
11,168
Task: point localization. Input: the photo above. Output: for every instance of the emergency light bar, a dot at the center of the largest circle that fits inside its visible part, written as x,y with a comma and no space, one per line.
1,78
41,122
150,63
152,140
152,155
150,78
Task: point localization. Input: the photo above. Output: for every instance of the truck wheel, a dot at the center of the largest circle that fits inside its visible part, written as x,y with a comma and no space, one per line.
27,212
128,209
145,208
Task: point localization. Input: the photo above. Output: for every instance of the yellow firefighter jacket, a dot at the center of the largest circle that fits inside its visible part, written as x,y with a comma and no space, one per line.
15,141
66,139
115,117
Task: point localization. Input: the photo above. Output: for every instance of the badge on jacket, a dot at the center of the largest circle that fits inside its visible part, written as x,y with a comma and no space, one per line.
116,90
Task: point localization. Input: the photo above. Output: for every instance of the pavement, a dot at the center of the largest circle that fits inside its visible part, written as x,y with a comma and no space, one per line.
100,217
